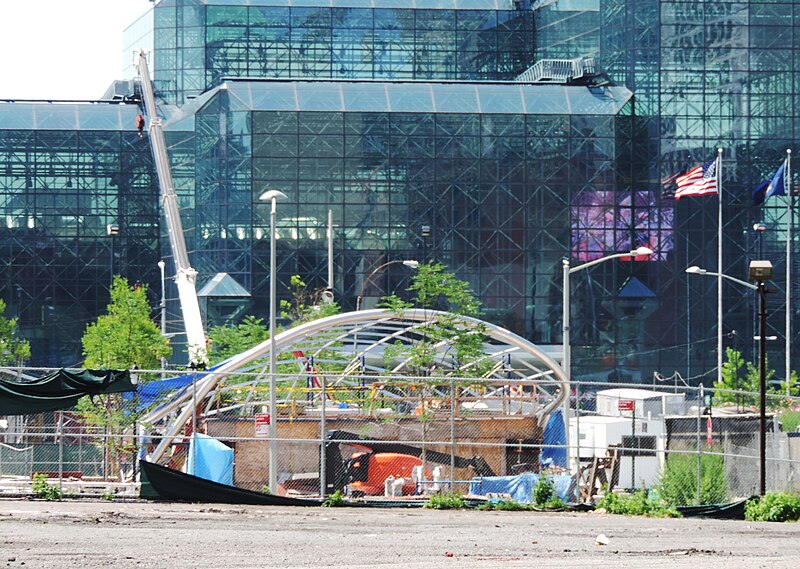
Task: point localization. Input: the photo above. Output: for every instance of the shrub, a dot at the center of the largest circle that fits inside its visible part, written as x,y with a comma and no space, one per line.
678,483
773,507
555,503
42,489
545,497
543,491
790,421
637,504
506,505
335,500
446,501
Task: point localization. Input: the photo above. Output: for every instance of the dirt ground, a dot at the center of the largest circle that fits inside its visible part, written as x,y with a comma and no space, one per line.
88,534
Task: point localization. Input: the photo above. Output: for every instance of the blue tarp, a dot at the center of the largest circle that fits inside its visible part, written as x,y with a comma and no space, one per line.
149,393
153,391
554,441
520,487
214,459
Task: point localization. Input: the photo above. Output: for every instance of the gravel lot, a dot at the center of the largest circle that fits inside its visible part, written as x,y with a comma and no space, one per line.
87,534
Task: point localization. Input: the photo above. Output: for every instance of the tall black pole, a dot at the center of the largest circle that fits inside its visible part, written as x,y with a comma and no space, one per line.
762,357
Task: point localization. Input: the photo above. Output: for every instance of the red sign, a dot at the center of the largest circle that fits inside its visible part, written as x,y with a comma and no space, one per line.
625,404
262,424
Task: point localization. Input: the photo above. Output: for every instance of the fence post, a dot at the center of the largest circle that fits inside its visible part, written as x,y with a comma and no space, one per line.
577,443
452,434
322,429
60,448
700,401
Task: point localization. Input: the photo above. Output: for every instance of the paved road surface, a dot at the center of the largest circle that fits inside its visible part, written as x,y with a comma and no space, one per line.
85,534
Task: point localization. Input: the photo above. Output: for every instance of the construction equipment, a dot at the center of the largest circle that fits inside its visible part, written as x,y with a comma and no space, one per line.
185,275
367,469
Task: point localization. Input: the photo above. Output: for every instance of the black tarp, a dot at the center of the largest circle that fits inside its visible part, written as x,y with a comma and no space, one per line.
60,390
730,511
162,483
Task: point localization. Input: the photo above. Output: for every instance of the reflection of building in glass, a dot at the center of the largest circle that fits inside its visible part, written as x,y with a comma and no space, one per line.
397,118
605,223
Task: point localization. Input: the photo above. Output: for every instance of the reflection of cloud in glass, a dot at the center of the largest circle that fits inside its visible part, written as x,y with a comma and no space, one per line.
605,223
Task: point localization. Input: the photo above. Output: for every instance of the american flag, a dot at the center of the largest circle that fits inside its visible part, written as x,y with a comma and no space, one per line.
699,181
668,185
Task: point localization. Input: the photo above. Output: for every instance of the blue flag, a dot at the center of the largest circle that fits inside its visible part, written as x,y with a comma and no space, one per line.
759,192
775,187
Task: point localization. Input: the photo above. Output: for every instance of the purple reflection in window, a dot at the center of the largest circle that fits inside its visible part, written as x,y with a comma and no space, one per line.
606,222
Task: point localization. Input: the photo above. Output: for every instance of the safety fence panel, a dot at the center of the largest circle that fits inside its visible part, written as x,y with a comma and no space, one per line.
401,437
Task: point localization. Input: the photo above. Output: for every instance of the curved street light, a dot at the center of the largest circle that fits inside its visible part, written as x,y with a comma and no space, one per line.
695,270
408,263
566,355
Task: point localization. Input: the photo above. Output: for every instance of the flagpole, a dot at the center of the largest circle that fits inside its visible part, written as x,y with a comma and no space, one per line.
789,222
719,266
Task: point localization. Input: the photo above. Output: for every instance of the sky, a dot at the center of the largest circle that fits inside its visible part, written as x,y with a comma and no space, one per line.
63,49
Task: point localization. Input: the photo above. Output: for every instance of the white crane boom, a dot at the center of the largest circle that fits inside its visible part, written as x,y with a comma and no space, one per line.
185,275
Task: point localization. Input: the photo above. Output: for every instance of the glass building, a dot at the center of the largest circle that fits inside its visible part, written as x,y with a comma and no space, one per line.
431,130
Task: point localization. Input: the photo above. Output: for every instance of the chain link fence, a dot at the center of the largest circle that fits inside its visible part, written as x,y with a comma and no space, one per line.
409,437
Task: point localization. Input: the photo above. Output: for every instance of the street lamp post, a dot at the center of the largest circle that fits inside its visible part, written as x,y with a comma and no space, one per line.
272,196
695,270
566,358
761,271
425,231
408,263
112,230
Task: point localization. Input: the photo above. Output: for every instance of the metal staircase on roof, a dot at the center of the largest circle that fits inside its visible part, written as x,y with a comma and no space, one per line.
558,70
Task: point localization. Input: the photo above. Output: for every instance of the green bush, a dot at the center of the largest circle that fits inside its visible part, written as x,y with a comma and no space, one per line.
543,491
678,483
42,489
790,421
506,505
637,504
555,503
335,500
773,507
446,501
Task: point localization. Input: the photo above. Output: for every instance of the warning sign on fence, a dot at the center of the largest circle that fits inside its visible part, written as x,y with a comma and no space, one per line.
262,424
625,405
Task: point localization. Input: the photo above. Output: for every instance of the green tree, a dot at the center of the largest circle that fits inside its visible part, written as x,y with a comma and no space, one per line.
229,340
744,388
125,337
306,304
753,384
13,350
732,377
790,387
434,288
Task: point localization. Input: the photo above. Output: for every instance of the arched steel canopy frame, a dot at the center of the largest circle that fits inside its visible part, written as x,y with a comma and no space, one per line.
366,333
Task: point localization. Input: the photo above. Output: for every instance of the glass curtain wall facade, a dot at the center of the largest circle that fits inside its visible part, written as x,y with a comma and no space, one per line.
710,75
198,44
489,168
67,172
